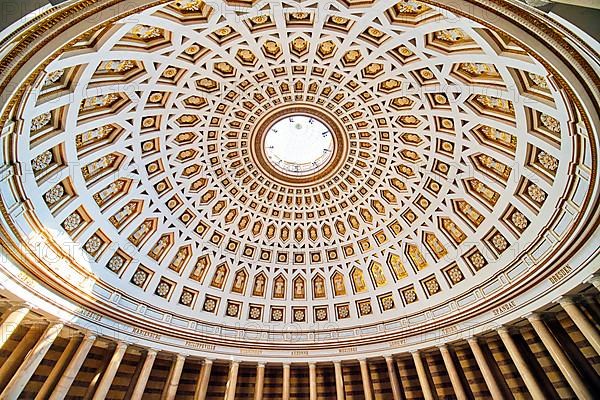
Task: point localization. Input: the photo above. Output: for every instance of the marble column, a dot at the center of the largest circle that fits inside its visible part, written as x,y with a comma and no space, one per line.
111,371
457,385
69,374
286,382
58,368
31,362
203,379
339,381
260,382
312,381
174,377
534,388
595,280
17,355
11,321
486,371
560,358
394,383
422,374
142,380
582,322
232,380
366,379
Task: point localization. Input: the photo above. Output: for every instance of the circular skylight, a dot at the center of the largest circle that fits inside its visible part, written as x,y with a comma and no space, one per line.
208,197
299,145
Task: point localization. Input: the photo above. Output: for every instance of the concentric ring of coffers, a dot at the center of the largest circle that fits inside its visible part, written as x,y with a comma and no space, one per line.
137,141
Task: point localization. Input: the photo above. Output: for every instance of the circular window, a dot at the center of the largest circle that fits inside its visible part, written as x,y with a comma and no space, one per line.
299,145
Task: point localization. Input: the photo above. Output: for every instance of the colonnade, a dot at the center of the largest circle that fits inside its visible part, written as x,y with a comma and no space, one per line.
19,367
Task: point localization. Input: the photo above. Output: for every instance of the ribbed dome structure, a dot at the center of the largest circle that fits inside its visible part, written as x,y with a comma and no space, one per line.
298,200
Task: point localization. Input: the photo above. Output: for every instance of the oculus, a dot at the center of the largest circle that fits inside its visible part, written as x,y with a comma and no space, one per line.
299,145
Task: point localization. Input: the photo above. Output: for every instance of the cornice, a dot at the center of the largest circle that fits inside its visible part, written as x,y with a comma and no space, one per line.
32,41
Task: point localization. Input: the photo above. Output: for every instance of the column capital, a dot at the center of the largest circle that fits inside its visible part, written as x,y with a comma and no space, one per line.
312,363
536,317
121,345
444,347
595,280
18,305
473,339
180,356
261,364
505,330
89,336
508,330
568,300
389,358
151,353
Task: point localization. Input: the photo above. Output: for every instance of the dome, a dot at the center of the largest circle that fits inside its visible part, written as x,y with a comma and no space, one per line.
297,181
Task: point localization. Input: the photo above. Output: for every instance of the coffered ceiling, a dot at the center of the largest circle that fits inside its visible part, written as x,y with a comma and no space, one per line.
455,149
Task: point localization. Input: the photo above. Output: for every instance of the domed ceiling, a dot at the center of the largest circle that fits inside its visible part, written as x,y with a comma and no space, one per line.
144,164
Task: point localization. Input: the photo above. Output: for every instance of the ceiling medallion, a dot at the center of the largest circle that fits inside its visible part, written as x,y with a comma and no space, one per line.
299,145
